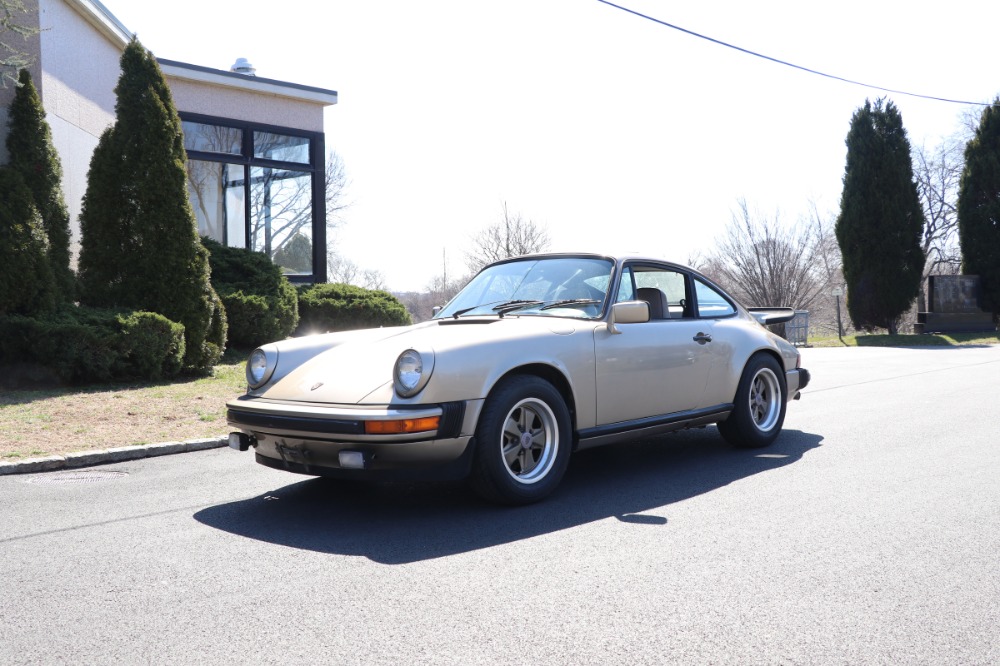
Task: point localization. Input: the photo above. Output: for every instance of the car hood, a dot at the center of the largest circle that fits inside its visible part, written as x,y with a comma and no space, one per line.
358,367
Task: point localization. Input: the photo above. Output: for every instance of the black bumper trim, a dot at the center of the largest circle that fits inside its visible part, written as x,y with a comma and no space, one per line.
270,422
452,416
804,378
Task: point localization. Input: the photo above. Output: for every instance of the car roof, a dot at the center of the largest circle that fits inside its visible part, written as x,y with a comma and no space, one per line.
618,258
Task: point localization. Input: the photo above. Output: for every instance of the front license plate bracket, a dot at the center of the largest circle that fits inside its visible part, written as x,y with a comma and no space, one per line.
291,455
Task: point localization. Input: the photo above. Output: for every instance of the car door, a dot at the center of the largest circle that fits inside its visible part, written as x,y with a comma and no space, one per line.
656,367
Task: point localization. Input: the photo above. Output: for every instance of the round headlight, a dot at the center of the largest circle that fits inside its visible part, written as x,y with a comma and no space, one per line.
409,369
257,370
412,372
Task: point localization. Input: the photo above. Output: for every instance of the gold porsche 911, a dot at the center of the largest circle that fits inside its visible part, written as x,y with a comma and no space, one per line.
537,357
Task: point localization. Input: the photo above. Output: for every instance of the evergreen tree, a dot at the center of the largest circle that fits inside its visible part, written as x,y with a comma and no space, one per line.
29,145
140,246
979,208
26,285
881,221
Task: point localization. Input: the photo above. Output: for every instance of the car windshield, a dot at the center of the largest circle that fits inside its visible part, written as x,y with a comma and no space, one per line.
556,286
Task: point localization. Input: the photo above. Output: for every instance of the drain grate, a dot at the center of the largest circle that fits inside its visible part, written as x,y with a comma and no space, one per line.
79,476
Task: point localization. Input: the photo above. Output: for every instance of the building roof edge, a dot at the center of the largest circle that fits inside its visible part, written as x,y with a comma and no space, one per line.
98,15
198,73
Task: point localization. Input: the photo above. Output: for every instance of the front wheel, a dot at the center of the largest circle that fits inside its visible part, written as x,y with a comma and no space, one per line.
523,441
759,409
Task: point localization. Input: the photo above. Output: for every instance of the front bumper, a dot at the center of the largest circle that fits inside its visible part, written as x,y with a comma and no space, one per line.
310,439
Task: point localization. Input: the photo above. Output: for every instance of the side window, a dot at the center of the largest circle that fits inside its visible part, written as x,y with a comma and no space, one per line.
665,290
710,302
625,290
670,283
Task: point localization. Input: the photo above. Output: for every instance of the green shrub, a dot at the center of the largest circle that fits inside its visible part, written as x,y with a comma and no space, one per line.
261,304
88,345
140,247
344,307
26,282
152,346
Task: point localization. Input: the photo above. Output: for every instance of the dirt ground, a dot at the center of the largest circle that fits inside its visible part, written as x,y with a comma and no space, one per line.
59,421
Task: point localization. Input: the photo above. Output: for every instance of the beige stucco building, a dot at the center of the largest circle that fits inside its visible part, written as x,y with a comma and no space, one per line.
256,146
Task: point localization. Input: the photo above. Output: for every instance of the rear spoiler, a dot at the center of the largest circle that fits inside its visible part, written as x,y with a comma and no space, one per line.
767,316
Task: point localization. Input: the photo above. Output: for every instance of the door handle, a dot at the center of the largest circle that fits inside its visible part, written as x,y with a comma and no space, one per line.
702,338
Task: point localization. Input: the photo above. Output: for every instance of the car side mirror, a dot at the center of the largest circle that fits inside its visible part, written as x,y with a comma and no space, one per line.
628,312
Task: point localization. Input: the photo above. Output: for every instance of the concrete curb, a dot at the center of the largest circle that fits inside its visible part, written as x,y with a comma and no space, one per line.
106,456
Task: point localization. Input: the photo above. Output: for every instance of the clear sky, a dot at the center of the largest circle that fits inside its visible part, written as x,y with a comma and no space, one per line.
611,131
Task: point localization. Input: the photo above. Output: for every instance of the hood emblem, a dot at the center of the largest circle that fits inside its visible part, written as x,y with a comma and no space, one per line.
316,386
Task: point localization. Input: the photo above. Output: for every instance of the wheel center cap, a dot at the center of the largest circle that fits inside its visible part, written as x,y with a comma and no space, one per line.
525,440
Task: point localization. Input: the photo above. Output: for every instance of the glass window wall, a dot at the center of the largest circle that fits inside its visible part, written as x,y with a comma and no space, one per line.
281,147
242,199
281,217
218,198
212,138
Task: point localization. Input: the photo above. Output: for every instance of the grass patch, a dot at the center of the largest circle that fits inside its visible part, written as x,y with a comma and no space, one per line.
56,421
925,340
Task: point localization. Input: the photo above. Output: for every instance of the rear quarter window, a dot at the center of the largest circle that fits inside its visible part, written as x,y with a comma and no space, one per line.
710,302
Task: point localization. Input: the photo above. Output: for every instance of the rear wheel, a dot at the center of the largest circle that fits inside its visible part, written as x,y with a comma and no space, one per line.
759,410
522,441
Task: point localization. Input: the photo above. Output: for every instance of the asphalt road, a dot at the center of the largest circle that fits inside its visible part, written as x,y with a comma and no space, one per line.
869,533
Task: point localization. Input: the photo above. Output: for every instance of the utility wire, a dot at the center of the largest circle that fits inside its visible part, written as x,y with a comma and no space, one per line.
788,64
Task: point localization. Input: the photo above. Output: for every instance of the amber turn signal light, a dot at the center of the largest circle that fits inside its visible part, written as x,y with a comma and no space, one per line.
401,426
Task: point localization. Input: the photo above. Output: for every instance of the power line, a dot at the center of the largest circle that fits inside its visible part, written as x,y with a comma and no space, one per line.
786,63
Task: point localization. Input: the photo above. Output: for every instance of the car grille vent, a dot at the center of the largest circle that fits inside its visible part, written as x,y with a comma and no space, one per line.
452,415
457,322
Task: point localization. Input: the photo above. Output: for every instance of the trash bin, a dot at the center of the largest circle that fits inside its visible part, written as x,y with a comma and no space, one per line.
797,329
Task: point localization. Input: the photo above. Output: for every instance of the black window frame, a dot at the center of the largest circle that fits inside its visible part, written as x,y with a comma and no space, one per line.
316,168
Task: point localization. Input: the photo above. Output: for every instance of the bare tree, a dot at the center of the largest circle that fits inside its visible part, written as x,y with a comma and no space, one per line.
440,290
765,263
281,202
510,237
937,172
335,184
12,59
341,269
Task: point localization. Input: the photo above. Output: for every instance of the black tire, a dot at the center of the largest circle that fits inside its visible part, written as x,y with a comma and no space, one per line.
523,442
759,410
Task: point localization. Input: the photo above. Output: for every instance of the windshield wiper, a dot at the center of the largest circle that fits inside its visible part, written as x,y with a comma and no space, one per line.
510,306
506,306
569,301
459,313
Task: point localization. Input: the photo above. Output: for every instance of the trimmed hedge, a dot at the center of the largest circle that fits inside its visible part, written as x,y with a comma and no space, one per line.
88,345
344,307
261,304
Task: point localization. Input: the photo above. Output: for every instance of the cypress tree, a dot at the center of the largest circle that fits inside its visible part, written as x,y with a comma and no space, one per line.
880,223
979,208
140,246
26,285
29,145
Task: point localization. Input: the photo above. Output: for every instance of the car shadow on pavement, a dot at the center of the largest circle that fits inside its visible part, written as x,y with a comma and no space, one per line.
399,523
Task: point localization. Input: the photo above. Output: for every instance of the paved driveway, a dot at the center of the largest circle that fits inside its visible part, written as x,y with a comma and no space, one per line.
869,533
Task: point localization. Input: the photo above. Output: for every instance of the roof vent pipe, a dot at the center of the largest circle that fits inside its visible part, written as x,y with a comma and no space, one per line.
243,66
